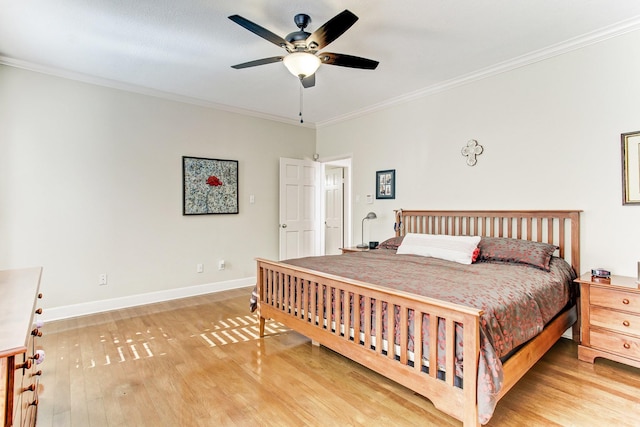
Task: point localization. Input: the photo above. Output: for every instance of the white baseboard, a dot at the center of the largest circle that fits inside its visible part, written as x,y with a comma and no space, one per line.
75,310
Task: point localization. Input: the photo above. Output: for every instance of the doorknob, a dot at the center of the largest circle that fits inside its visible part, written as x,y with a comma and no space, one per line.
284,226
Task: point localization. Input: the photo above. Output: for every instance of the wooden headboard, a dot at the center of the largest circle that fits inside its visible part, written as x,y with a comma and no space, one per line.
560,228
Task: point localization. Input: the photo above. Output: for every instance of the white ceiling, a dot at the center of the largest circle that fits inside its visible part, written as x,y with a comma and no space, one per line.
184,49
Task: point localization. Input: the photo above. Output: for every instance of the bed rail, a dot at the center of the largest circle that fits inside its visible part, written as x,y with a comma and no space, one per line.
315,305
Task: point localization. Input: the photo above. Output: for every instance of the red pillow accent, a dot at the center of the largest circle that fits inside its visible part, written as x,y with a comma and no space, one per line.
474,255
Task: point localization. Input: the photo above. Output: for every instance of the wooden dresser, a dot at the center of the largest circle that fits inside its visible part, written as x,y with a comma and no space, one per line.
20,355
610,325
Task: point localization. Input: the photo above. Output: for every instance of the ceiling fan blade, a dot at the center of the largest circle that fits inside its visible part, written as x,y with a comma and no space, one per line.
331,30
309,81
343,60
261,31
257,62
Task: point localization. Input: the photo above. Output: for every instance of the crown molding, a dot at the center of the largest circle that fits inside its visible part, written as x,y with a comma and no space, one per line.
575,43
113,84
615,30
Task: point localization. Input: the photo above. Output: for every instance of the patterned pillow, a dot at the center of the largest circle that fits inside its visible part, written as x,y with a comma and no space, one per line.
501,249
391,243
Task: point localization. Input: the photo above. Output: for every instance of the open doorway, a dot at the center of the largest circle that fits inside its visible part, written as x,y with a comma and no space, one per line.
336,206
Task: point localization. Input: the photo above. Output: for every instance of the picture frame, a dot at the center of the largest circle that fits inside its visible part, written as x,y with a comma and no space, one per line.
630,168
386,184
209,186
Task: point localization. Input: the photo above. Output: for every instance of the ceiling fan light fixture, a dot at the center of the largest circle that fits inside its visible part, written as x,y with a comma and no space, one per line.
301,64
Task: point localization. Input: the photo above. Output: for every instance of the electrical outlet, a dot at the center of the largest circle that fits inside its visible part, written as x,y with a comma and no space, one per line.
221,265
102,279
199,268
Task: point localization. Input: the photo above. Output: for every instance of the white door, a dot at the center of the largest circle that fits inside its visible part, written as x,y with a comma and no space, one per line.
299,201
334,201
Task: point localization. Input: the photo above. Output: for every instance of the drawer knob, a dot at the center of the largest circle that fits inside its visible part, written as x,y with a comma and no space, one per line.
39,310
31,387
36,332
37,373
625,301
39,356
626,345
626,323
25,365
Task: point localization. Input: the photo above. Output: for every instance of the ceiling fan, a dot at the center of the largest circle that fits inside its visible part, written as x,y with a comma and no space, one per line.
302,47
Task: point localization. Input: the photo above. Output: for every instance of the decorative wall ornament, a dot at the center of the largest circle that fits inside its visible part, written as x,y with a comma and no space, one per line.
210,186
471,151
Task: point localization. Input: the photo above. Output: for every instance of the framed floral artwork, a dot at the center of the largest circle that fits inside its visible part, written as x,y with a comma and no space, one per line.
210,186
386,184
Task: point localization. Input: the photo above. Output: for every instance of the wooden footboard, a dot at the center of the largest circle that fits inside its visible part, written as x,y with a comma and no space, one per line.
301,299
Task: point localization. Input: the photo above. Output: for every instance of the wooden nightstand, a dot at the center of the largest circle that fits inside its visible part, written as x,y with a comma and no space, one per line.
353,249
610,325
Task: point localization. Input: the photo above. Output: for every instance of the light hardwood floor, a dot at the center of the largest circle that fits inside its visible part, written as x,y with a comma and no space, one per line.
198,362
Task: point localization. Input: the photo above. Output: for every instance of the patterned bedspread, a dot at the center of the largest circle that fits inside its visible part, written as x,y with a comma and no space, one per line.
517,300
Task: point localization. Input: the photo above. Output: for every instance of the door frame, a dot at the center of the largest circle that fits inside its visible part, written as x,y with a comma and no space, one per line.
347,213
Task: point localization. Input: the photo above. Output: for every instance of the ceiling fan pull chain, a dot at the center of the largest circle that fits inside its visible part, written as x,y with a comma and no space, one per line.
301,119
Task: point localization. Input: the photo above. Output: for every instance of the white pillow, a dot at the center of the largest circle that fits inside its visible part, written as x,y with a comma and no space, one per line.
451,248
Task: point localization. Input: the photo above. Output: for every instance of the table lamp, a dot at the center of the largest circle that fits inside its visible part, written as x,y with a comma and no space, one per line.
370,215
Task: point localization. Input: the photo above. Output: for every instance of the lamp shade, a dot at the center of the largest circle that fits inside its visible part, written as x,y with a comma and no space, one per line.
301,64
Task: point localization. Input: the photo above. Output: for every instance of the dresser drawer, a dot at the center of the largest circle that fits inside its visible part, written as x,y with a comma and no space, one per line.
25,404
616,320
619,300
616,343
19,393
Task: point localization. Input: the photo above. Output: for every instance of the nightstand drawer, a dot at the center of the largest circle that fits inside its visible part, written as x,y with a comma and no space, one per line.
616,343
615,320
619,300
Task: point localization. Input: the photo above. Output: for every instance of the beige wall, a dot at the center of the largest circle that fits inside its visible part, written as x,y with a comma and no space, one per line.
90,177
551,137
91,182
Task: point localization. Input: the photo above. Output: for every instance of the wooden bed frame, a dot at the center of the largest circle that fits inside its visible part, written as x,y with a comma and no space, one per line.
277,301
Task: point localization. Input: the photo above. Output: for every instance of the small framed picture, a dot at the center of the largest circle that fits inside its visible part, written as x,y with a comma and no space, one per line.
631,168
386,184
